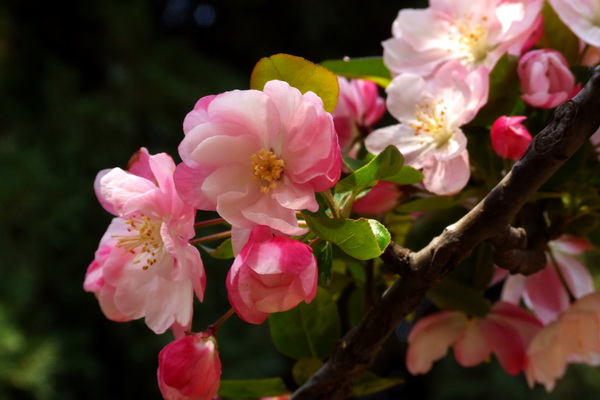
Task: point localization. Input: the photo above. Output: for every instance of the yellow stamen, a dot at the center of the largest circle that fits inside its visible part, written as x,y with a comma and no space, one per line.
430,120
146,243
267,168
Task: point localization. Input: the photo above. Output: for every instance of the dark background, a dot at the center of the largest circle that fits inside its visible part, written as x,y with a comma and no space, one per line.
83,85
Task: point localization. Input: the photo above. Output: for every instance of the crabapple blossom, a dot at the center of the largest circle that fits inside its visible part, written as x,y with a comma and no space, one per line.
258,156
546,80
509,137
144,266
189,368
476,33
544,292
506,331
431,113
582,17
573,338
271,274
359,107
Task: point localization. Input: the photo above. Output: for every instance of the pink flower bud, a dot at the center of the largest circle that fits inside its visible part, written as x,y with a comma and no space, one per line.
546,80
359,107
271,274
509,137
383,197
189,368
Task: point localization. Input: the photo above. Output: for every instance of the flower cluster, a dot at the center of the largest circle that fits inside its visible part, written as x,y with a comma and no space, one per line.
268,163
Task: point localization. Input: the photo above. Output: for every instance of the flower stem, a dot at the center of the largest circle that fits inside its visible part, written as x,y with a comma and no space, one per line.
329,199
210,222
213,328
208,238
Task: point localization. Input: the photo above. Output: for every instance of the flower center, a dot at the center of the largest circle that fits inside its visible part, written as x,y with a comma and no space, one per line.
267,168
469,39
145,242
431,120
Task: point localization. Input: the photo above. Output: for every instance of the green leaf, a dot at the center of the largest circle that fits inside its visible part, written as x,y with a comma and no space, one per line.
362,238
299,73
558,36
452,295
308,330
386,164
223,251
406,176
369,383
324,254
369,68
252,388
304,369
353,164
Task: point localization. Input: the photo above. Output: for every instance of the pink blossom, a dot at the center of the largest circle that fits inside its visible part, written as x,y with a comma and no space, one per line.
431,113
257,157
144,266
382,197
506,331
476,33
546,80
359,107
573,338
510,138
582,17
271,274
544,292
189,368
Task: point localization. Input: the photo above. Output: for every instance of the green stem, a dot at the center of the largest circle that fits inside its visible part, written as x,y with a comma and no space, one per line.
209,238
331,203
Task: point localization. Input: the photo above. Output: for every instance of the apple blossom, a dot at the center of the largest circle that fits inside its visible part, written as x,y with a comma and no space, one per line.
431,113
582,17
476,33
573,337
546,80
359,107
144,266
506,331
544,292
189,368
271,274
509,137
258,156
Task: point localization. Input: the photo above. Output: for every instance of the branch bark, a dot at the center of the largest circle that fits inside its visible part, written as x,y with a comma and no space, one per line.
572,124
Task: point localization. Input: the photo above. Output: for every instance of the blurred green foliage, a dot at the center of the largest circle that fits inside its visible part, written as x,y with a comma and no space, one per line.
83,85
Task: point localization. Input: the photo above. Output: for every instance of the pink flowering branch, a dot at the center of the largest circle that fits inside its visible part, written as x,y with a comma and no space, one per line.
573,123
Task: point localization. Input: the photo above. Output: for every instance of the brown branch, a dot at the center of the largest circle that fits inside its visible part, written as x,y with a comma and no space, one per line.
573,123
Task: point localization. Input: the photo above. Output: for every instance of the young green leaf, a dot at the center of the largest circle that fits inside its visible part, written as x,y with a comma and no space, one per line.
223,251
362,238
369,68
308,330
324,254
385,165
406,176
299,73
